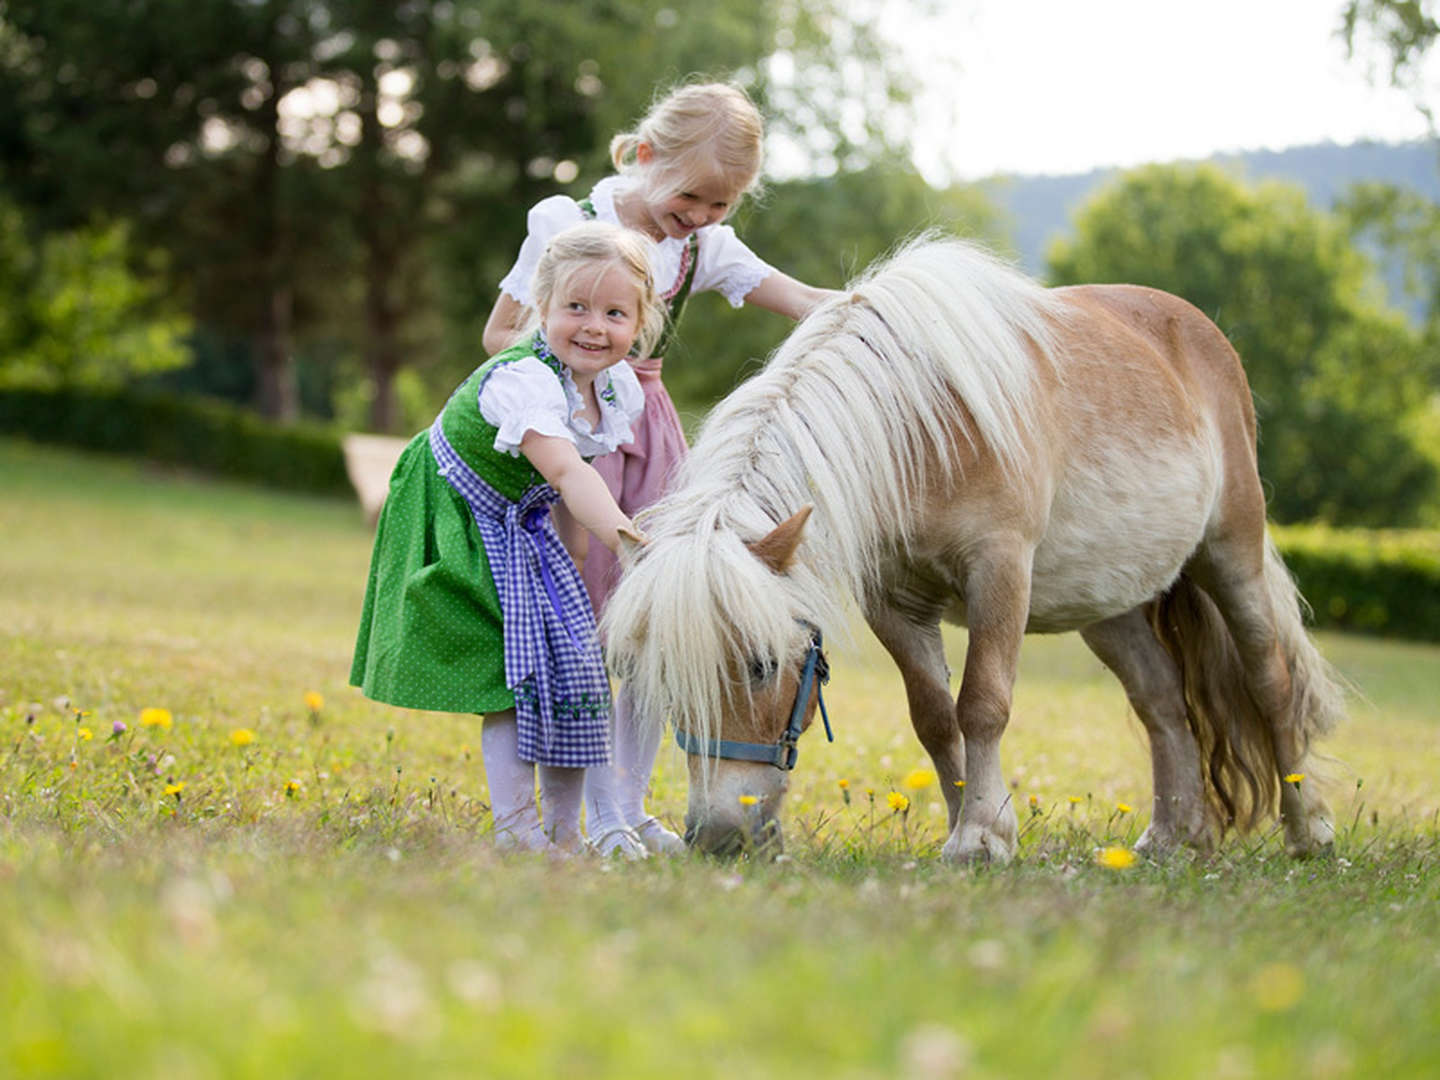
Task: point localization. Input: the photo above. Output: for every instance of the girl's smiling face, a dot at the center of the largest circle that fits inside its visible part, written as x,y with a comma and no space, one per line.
703,203
592,320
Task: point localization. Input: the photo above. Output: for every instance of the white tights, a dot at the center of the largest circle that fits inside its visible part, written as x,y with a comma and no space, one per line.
512,793
615,793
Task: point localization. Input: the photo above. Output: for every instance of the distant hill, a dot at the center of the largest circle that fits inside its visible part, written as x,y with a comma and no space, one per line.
1040,207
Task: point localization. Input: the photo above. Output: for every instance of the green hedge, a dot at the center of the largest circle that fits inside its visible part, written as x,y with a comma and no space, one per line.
1367,581
205,435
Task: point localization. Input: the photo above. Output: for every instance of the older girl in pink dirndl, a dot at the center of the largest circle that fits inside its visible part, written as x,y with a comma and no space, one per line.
680,174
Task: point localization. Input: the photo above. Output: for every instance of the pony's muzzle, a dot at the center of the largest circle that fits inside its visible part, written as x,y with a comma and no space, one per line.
728,839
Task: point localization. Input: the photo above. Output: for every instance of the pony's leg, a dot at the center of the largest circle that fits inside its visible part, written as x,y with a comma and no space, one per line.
1234,572
997,602
912,637
1128,647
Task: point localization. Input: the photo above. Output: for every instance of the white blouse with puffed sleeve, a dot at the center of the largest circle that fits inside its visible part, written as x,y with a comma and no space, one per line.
524,395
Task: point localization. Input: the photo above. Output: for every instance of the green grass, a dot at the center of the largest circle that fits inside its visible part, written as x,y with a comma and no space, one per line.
324,901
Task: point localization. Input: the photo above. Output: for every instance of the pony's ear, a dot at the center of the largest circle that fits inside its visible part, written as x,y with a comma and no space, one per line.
777,548
630,545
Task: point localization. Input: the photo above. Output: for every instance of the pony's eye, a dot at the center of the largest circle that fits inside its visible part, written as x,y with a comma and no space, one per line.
762,671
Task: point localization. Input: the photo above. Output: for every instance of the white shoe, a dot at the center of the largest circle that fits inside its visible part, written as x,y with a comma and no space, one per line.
622,842
657,838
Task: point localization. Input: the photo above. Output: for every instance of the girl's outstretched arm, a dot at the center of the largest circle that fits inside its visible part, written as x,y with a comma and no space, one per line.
782,294
580,486
507,319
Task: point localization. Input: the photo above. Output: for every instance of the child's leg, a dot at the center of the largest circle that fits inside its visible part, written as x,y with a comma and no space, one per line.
636,744
512,785
604,821
561,792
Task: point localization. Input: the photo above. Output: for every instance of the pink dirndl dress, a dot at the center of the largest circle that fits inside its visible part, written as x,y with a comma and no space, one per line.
639,472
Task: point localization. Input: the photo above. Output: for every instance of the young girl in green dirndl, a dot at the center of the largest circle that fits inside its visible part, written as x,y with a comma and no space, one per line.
474,602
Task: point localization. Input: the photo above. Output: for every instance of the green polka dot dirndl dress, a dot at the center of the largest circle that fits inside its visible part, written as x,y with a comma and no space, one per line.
473,605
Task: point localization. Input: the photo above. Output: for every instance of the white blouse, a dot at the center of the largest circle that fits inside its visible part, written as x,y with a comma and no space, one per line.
524,395
724,264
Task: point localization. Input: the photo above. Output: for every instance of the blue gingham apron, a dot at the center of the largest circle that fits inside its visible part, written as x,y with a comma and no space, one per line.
553,661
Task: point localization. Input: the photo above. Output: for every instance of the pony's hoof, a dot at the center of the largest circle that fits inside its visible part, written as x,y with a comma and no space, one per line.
1309,837
977,848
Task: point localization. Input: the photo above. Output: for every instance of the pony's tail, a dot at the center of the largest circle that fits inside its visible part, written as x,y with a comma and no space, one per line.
1237,743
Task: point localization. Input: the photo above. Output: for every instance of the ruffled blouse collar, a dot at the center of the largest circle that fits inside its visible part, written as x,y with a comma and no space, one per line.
614,427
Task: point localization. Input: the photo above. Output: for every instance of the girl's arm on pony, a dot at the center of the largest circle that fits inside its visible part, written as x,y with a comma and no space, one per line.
572,534
581,488
507,319
783,295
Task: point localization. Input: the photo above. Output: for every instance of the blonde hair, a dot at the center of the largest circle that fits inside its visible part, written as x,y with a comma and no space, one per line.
581,248
696,132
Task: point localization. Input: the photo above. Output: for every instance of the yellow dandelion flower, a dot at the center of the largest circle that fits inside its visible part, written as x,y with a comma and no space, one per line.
85,734
1295,778
313,701
1116,858
1075,800
899,803
1034,800
153,717
844,784
292,788
242,736
1123,807
959,783
918,779
748,800
175,788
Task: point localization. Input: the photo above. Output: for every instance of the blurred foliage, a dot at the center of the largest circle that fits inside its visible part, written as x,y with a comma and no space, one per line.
1384,581
1336,376
72,312
355,170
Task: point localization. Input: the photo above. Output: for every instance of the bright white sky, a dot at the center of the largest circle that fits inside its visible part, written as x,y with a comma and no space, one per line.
1062,86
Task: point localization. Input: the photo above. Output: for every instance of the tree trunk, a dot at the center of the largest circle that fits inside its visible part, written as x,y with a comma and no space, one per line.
381,349
277,388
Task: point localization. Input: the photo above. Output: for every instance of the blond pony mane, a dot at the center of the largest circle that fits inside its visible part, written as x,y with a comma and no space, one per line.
869,392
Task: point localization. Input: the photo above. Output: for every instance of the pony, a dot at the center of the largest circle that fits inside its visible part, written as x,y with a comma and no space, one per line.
949,440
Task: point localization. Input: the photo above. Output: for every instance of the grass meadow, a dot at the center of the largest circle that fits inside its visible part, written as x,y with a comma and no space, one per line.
218,860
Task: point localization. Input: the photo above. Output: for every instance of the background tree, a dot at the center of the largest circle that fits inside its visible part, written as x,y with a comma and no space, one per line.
356,171
73,313
1336,376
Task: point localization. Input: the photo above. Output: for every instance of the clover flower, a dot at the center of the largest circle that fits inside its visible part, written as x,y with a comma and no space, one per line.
117,729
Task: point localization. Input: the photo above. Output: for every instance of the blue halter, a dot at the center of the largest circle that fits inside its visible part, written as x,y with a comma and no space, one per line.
784,753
